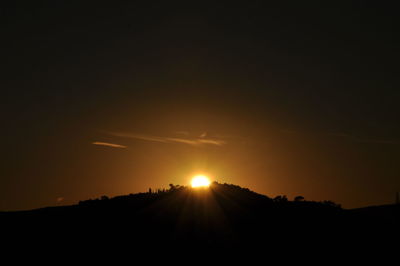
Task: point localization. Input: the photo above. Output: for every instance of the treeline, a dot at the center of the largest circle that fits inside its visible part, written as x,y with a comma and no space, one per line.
230,190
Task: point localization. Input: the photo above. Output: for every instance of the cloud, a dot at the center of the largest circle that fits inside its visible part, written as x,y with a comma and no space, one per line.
138,136
181,140
109,144
59,199
211,141
187,141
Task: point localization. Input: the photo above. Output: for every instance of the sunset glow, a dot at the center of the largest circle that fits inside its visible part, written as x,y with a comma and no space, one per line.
200,181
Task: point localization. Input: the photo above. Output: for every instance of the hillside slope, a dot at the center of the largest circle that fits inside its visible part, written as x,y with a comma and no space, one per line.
222,216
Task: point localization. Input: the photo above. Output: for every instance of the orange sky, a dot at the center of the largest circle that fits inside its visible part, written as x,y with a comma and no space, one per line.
285,99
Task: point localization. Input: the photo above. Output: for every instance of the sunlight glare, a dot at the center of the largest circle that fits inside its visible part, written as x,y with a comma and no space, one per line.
200,181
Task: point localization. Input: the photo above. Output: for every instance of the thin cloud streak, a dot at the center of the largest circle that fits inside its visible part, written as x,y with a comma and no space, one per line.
112,145
138,136
211,141
192,142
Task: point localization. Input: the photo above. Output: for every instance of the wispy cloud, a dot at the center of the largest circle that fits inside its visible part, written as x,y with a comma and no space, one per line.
109,144
211,141
187,141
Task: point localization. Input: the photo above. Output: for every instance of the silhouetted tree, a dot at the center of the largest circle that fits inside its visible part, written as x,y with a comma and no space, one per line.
172,187
281,199
299,198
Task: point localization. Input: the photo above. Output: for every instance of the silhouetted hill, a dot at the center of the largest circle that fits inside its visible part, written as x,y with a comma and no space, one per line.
223,217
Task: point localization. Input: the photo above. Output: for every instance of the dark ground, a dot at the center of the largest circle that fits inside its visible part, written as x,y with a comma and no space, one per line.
223,218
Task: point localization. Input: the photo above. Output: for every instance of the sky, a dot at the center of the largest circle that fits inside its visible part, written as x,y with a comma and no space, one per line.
282,97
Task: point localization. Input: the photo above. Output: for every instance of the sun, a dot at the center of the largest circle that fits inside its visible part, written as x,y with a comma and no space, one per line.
200,181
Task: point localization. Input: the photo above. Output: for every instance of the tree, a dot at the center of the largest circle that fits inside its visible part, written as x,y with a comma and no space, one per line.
172,187
104,198
299,198
281,199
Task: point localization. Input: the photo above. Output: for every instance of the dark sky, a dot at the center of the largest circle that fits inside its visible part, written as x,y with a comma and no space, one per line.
282,97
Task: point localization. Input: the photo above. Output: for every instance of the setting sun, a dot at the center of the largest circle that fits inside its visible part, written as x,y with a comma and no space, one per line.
200,181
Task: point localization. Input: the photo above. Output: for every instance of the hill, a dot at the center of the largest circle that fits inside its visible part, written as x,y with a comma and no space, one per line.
223,217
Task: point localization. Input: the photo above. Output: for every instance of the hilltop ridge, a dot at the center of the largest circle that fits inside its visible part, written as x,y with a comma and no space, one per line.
220,216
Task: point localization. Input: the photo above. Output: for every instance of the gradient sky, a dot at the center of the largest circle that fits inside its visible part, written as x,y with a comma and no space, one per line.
287,98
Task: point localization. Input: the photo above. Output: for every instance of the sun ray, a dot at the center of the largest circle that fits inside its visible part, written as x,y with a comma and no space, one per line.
200,181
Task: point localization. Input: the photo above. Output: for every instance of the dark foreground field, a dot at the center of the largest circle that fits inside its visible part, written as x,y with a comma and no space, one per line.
221,218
